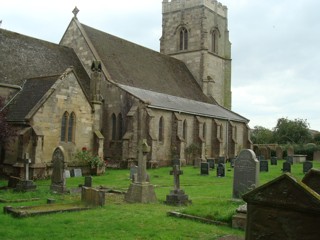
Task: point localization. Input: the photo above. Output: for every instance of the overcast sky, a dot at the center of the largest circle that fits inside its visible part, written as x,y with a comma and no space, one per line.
275,46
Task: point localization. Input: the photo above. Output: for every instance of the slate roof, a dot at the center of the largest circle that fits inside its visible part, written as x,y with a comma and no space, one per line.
24,57
137,66
178,104
31,93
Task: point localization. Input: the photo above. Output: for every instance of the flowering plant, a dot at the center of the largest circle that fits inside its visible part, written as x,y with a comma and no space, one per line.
94,161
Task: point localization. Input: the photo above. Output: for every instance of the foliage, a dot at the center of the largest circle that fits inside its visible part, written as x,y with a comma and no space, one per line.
261,135
193,151
306,149
86,156
292,131
6,131
316,138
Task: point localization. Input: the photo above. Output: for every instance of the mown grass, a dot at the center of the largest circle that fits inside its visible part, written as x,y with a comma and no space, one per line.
210,195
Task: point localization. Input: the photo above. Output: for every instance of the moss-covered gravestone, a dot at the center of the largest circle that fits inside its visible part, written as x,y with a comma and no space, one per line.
58,180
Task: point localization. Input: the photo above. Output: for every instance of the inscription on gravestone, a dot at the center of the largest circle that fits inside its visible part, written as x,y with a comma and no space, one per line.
204,168
246,173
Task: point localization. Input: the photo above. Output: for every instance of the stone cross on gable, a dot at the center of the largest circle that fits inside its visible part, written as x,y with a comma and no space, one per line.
176,172
27,161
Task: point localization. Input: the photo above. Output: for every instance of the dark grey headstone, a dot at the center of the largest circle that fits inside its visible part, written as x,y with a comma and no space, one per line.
58,180
246,173
307,165
290,159
264,166
88,181
221,160
286,167
274,161
204,167
211,162
221,171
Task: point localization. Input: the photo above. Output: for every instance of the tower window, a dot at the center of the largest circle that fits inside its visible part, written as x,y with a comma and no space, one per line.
214,40
183,39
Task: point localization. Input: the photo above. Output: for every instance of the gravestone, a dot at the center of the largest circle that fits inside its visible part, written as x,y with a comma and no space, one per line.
286,167
307,165
274,161
211,163
133,171
58,180
221,171
67,173
290,159
264,166
141,191
88,181
312,180
221,160
177,195
26,184
246,173
92,197
283,208
204,168
76,172
232,162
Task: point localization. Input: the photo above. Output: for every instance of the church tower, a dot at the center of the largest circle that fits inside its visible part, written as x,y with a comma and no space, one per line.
196,32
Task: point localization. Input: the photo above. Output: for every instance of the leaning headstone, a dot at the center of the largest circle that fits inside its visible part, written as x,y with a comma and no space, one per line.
92,197
307,165
204,168
177,195
246,173
211,162
264,166
221,171
274,161
286,167
283,208
58,180
312,180
88,181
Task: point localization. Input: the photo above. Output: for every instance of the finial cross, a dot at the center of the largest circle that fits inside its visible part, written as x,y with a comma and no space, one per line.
75,11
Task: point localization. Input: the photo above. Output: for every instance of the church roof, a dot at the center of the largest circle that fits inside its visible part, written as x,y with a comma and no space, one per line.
183,105
31,93
24,57
133,65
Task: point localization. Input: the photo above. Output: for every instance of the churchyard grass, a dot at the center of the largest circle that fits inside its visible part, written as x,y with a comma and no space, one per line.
210,195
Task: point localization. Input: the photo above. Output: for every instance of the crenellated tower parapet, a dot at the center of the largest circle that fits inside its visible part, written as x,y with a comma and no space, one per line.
177,5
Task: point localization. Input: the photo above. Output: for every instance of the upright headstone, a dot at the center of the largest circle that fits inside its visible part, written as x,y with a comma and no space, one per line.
290,159
211,163
177,195
283,208
58,180
67,173
221,160
221,171
274,161
76,172
307,165
204,168
312,180
246,173
92,197
26,184
264,166
286,167
133,171
88,181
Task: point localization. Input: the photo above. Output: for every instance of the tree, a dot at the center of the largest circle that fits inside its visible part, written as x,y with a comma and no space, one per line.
261,135
292,131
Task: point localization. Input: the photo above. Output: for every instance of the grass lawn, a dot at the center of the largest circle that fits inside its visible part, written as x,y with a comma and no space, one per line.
210,195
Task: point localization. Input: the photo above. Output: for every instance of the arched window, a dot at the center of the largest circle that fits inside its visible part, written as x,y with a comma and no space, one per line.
64,125
71,127
185,127
114,126
120,129
214,40
161,129
204,130
183,39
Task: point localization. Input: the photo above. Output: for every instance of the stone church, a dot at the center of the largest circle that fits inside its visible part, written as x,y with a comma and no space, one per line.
104,93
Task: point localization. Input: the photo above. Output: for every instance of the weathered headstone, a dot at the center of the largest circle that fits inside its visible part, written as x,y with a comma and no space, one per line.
67,173
286,167
58,180
274,161
312,180
92,197
177,195
76,172
246,173
211,163
88,181
307,165
283,208
264,166
133,171
204,168
221,171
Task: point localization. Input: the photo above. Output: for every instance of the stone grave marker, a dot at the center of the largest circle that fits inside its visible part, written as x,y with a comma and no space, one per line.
221,160
76,172
133,171
246,173
221,171
67,173
204,168
211,163
286,167
274,161
307,165
176,162
177,195
283,208
312,180
58,179
92,197
232,162
88,181
290,159
26,184
264,166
